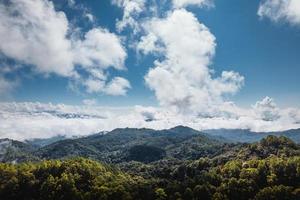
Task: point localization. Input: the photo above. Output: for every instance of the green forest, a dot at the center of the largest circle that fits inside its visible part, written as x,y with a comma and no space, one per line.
266,170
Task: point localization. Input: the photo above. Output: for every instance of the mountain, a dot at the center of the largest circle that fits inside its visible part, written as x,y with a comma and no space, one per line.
65,149
119,145
41,142
128,144
15,151
177,163
142,145
268,169
270,146
267,148
245,135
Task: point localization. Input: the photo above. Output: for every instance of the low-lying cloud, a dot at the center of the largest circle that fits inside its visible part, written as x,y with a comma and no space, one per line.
35,120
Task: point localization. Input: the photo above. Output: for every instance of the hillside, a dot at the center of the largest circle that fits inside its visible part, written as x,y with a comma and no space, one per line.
268,147
144,145
178,163
15,151
75,179
41,142
119,145
245,135
271,145
274,175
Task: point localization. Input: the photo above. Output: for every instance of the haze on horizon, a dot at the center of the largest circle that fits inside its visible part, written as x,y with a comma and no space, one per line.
76,67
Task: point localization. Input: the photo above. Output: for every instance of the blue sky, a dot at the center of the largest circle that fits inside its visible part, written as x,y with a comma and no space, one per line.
148,63
265,53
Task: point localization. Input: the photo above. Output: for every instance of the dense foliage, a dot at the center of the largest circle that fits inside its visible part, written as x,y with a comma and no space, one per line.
145,153
70,179
266,170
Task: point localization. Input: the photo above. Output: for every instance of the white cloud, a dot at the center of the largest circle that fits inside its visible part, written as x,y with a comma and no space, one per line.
89,102
101,49
32,32
280,10
149,113
149,44
183,79
185,3
94,85
131,10
136,11
90,17
294,114
266,109
117,86
46,120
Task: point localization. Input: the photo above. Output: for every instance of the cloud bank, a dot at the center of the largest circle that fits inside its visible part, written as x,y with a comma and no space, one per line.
37,120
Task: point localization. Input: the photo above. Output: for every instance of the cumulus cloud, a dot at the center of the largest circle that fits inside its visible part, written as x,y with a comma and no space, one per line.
118,86
32,32
149,44
36,36
185,3
183,79
101,49
280,10
131,10
266,109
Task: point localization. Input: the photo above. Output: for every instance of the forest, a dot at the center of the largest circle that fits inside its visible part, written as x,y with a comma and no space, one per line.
265,170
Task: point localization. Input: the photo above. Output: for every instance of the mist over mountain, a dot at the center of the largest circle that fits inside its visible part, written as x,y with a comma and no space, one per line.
40,120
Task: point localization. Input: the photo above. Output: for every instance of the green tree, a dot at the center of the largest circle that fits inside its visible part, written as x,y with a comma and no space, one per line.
160,194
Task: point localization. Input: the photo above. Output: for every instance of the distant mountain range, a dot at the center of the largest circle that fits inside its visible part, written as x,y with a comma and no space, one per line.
144,145
247,136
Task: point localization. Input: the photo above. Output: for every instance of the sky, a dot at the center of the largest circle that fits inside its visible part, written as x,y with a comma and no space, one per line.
75,67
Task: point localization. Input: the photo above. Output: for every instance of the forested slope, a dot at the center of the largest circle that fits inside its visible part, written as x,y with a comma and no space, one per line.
269,169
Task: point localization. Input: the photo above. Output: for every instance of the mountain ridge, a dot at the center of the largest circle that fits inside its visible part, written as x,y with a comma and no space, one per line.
248,136
124,144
